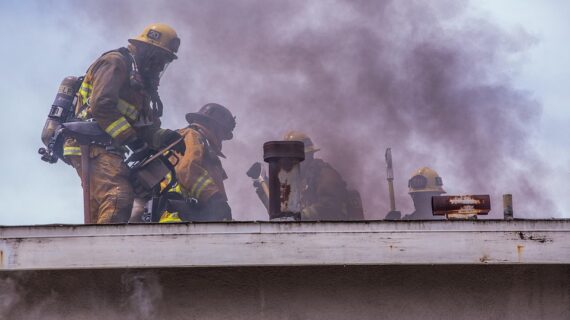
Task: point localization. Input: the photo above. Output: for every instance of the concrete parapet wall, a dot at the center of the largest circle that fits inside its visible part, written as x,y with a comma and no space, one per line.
284,244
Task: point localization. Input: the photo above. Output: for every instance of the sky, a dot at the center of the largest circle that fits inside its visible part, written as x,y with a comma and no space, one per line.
259,59
544,71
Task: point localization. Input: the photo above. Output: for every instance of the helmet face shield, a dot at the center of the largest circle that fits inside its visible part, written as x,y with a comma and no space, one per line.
438,181
153,63
417,182
163,70
173,45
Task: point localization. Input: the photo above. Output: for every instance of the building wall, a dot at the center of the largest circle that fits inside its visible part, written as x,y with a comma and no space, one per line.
318,292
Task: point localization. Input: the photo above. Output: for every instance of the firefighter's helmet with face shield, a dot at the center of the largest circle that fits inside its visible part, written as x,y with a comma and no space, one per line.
425,180
300,136
160,36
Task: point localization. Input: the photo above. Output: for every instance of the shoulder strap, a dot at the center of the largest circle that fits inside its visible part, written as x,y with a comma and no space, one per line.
129,61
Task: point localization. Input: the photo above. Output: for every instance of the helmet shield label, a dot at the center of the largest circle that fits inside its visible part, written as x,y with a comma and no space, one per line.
153,34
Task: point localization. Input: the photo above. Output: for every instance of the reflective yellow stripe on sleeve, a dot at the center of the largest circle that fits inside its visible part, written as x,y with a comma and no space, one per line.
206,183
200,185
198,182
71,151
127,109
117,127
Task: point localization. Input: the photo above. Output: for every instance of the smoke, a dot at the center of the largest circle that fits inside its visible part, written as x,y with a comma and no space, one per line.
13,298
431,79
10,296
144,292
53,295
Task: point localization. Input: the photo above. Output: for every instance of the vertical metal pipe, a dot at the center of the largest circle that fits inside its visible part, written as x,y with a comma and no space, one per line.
508,207
284,158
391,192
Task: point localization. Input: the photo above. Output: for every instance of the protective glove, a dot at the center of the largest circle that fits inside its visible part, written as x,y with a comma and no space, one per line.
139,150
169,137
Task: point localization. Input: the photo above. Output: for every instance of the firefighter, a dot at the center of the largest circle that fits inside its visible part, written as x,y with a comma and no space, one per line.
324,194
423,185
119,92
199,172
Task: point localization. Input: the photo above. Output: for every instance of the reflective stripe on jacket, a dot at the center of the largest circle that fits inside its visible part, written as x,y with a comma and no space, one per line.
106,96
199,172
71,151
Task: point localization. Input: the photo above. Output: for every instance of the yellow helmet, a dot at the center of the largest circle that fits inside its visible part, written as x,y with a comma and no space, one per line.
299,136
160,35
425,180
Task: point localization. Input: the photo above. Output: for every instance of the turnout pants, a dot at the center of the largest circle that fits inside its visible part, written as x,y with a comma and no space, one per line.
112,194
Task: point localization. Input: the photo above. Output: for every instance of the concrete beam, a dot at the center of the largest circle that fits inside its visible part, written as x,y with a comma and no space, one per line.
285,244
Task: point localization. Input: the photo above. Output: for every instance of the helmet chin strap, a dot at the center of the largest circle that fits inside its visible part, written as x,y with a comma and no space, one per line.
163,70
157,106
152,88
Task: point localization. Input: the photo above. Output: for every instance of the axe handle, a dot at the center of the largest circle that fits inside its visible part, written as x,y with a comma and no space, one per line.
265,188
86,183
262,191
391,193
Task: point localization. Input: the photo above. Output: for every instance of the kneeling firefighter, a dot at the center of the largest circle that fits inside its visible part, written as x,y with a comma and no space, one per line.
324,193
199,194
120,93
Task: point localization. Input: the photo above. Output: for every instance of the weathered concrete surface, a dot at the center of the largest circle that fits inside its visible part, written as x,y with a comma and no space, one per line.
285,244
516,292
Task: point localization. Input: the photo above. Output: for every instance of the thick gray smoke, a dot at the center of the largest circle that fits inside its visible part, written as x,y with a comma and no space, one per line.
13,298
427,78
10,295
144,292
138,296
